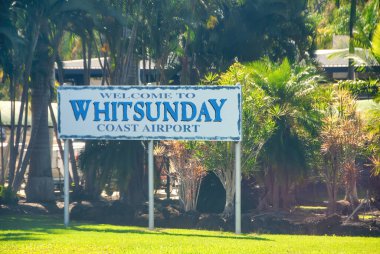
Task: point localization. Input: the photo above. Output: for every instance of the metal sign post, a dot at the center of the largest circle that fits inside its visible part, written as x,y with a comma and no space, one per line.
150,184
237,187
66,180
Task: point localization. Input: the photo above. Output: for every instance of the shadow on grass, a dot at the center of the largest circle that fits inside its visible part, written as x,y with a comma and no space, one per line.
33,225
157,232
19,237
37,225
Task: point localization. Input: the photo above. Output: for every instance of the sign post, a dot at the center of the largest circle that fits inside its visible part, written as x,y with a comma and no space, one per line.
151,113
150,184
237,187
66,180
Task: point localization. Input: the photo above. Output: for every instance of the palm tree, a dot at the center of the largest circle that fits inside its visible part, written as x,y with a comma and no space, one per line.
257,127
53,16
285,154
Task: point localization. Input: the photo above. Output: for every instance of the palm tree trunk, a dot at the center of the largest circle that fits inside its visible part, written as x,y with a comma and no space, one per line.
40,181
276,194
40,186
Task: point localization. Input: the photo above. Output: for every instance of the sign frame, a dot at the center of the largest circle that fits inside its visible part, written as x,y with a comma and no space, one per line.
236,140
162,89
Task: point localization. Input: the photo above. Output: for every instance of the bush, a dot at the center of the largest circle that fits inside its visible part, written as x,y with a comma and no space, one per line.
367,88
7,196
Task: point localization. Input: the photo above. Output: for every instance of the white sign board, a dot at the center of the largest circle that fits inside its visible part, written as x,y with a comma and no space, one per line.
150,112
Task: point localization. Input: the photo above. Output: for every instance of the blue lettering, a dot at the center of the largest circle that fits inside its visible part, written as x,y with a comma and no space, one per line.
204,112
114,112
217,108
149,111
80,108
193,108
105,95
138,108
104,111
125,106
173,112
101,127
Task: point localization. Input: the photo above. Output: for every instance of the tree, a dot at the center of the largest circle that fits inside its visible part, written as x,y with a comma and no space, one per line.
296,121
254,29
118,35
52,18
342,139
190,172
257,126
18,37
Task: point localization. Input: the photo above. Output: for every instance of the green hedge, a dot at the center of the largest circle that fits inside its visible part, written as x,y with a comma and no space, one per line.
361,87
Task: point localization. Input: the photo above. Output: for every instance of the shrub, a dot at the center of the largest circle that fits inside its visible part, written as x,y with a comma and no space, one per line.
368,88
7,195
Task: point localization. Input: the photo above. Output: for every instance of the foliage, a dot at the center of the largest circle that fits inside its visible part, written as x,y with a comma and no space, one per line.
342,140
286,153
7,196
368,88
372,126
279,120
43,234
257,125
376,42
333,19
190,172
255,29
112,162
257,122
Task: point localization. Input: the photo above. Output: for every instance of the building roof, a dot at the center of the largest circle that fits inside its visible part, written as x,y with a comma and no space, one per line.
339,58
5,110
95,64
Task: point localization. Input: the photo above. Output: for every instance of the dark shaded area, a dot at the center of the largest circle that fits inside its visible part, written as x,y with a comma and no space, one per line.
169,215
250,193
25,236
157,232
212,196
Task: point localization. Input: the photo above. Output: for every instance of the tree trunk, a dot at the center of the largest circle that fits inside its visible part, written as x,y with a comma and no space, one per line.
91,190
351,67
229,206
132,78
136,189
276,195
40,186
352,193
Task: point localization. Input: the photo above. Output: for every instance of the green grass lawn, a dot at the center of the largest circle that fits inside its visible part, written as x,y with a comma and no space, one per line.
41,234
